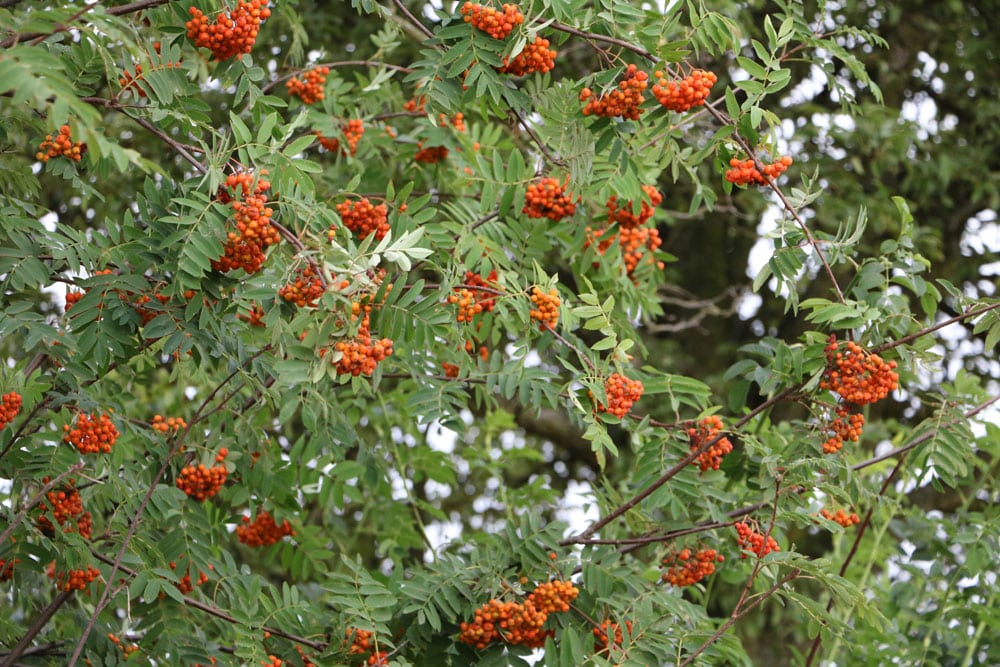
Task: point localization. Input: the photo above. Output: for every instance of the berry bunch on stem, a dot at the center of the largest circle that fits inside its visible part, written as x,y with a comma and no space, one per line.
745,172
309,89
73,580
536,57
546,307
253,233
609,634
92,433
622,215
61,144
305,290
364,218
681,95
547,198
201,482
431,154
621,393
10,406
495,23
472,301
749,538
517,622
231,34
857,376
162,425
708,429
262,531
625,101
686,568
841,517
361,355
66,508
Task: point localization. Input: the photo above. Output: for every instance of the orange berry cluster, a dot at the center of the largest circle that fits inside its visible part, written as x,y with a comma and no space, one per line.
840,516
364,218
10,406
686,568
473,301
357,641
75,580
353,131
310,88
307,288
169,424
431,154
61,144
457,121
7,568
846,425
623,216
625,101
245,246
185,586
231,34
859,377
536,57
416,104
707,430
518,623
610,630
272,661
127,649
262,531
92,433
748,538
201,482
496,24
450,370
547,198
255,317
621,393
546,310
66,506
679,96
360,355
745,172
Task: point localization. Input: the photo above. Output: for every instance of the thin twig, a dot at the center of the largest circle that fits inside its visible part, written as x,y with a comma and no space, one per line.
36,627
31,504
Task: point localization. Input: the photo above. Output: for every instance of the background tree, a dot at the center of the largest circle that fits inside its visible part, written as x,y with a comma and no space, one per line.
589,333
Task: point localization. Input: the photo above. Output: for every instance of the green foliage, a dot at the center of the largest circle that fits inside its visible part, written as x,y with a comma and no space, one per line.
480,456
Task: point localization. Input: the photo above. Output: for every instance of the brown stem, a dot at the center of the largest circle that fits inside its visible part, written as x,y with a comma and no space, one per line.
120,10
594,37
968,314
36,627
414,21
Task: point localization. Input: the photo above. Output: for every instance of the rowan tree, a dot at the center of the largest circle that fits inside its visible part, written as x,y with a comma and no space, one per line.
406,333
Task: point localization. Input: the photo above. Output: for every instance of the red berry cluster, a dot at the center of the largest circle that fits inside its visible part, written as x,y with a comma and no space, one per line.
201,482
255,317
750,539
744,172
496,24
310,88
185,585
360,356
353,131
61,144
127,649
431,154
625,101
846,425
262,531
547,198
232,34
74,580
608,630
169,424
10,406
357,641
546,310
272,661
536,57
417,104
457,121
623,216
707,430
840,516
472,301
364,218
621,393
307,288
686,568
66,507
679,96
518,623
245,245
92,433
859,377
